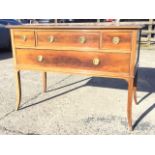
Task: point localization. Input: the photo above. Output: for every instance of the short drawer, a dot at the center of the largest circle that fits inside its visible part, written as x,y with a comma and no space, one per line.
24,38
115,40
69,39
108,62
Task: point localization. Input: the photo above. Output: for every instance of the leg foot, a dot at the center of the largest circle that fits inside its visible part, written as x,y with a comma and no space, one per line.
130,128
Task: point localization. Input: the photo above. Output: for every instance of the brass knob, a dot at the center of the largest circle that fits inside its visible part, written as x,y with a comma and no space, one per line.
82,40
51,39
115,40
24,38
40,58
96,61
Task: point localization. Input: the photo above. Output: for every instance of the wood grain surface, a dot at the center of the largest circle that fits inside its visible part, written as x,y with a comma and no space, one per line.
25,38
72,59
124,40
68,39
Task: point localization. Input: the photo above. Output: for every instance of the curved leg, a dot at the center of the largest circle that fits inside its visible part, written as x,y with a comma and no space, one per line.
129,106
18,90
44,82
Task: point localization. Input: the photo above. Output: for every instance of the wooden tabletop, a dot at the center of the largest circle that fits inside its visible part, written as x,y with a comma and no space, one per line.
76,26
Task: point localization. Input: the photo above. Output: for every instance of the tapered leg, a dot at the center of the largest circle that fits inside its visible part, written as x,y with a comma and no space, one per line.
18,90
44,82
129,106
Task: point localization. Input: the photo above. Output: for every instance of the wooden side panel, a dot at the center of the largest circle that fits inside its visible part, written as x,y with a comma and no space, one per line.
107,62
68,39
24,38
116,40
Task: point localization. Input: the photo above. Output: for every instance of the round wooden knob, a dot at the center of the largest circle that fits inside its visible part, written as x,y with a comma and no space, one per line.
40,58
82,40
96,61
115,40
51,39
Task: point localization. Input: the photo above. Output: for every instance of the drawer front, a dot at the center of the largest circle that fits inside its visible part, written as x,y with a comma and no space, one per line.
116,40
24,38
107,62
68,39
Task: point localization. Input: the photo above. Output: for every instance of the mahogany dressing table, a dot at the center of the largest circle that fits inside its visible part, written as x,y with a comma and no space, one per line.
93,50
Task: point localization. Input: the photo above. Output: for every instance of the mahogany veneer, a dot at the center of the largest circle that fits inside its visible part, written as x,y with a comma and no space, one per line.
95,50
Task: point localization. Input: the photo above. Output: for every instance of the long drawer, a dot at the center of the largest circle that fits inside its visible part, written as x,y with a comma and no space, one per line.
95,61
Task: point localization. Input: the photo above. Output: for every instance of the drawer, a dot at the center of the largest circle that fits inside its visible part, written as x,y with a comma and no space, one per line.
114,40
24,38
108,62
69,39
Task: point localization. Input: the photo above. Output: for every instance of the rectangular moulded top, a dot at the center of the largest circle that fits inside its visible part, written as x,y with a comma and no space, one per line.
76,26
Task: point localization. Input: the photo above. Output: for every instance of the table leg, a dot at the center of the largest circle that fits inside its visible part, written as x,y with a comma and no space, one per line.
18,90
44,82
129,106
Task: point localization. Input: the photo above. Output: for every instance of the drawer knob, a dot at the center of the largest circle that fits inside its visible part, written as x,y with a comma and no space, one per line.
116,40
40,58
82,40
51,39
96,61
24,38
